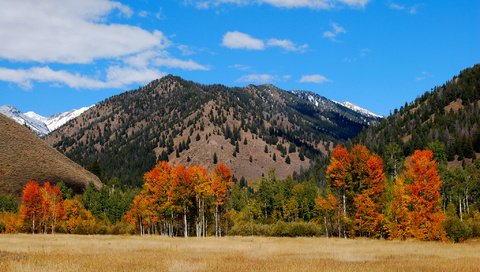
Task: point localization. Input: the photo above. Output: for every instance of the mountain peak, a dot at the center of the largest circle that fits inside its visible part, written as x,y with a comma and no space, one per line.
41,125
251,129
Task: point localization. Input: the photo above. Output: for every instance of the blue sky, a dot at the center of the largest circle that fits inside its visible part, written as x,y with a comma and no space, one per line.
59,55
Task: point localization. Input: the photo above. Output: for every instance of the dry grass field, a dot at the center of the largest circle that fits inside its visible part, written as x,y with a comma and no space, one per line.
133,253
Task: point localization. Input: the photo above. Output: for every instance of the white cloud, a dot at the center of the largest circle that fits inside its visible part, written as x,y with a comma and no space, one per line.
241,67
399,7
334,32
179,64
121,77
287,45
117,77
78,32
315,78
239,40
70,32
423,75
311,4
263,78
257,78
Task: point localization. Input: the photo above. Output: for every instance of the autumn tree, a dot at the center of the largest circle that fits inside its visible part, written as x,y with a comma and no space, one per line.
327,207
184,193
359,178
398,223
369,201
77,219
338,173
52,205
31,208
221,183
424,189
202,189
367,217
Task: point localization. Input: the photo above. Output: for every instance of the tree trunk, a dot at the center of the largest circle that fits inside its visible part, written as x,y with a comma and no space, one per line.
185,227
460,205
326,228
216,221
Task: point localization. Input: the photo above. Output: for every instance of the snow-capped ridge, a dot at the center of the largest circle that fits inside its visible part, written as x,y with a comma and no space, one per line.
57,120
41,125
358,109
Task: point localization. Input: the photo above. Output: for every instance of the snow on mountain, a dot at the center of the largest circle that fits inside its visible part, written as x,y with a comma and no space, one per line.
57,120
37,126
359,109
41,125
36,116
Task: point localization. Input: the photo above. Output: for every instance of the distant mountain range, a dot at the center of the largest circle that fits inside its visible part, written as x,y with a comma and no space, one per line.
251,129
39,124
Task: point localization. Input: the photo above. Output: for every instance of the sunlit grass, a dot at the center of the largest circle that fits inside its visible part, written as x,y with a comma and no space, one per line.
134,253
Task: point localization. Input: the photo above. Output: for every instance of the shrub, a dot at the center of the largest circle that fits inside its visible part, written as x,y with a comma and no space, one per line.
122,228
457,230
475,228
279,229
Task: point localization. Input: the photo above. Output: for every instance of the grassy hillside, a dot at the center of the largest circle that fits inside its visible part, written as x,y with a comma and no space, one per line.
23,157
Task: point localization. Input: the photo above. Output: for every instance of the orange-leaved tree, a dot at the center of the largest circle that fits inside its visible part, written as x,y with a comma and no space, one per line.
339,175
52,205
367,217
183,192
202,188
369,201
31,208
221,183
77,219
424,188
359,179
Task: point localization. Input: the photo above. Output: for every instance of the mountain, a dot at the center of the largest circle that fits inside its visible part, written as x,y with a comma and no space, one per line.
449,114
23,156
39,124
359,109
36,125
251,129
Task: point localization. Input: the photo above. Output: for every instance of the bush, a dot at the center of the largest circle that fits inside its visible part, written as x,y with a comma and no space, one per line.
279,229
2,227
457,230
475,228
8,203
102,229
122,228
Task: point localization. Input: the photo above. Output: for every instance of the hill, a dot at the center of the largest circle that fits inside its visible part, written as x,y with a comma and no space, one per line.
449,114
23,157
251,129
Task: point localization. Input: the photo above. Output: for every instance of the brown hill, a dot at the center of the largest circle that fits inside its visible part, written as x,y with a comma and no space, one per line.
251,129
23,156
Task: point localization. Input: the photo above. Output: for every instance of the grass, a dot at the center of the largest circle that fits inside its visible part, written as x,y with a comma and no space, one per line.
25,252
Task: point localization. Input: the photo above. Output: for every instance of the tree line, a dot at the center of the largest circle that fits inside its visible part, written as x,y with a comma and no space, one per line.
360,196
